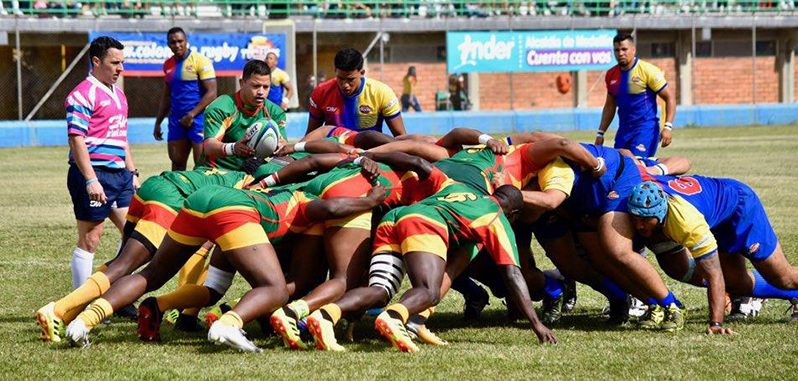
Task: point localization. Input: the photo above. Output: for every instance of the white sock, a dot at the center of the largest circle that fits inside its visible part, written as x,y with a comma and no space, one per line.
82,266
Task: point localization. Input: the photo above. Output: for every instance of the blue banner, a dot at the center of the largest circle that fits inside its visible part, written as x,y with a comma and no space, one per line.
501,52
146,52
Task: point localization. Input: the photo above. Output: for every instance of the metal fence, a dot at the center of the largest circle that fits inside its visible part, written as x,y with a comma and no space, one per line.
349,9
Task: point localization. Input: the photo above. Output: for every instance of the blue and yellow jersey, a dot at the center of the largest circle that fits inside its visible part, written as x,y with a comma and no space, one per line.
364,110
183,78
279,79
635,91
684,224
716,199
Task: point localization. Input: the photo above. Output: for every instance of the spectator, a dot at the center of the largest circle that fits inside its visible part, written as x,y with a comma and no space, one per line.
409,90
457,93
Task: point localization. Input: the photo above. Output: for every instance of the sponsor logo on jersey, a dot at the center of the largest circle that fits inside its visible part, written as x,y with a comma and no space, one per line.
641,147
365,109
105,103
331,109
613,195
636,79
753,248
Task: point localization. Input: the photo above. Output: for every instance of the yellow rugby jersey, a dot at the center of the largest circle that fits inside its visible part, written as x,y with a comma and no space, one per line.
184,79
373,103
686,225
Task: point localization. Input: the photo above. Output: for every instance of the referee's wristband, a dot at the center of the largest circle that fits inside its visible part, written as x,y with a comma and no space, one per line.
600,134
92,181
668,126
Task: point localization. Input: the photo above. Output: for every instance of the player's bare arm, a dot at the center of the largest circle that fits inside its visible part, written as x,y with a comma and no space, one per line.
81,155
667,94
607,115
163,111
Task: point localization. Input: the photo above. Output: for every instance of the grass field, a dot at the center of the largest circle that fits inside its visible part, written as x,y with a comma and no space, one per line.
37,235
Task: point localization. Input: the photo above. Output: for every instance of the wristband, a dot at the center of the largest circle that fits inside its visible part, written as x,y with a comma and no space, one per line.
600,133
271,180
229,149
92,181
135,172
484,138
299,147
668,125
600,165
715,324
358,160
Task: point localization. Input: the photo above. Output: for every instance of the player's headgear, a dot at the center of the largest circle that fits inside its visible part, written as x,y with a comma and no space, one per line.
648,200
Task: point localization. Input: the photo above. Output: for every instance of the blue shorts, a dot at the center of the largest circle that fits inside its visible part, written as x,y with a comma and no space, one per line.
748,231
178,132
118,187
641,140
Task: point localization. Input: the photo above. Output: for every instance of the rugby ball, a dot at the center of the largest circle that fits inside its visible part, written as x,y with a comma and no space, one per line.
263,137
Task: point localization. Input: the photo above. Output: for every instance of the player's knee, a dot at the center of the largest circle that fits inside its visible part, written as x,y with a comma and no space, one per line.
433,296
281,294
90,241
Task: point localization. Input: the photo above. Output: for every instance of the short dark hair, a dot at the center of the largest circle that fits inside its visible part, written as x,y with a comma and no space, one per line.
510,198
623,36
348,59
99,47
174,30
255,67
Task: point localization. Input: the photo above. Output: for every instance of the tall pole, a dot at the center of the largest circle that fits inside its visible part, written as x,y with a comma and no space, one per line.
19,71
753,61
315,58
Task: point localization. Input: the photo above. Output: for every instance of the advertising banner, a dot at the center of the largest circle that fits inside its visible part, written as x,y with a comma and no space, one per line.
146,52
524,51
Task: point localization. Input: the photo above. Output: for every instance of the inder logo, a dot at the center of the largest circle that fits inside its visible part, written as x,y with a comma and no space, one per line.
474,53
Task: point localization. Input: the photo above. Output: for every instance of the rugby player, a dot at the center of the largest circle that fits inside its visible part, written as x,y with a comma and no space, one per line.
721,222
352,101
243,224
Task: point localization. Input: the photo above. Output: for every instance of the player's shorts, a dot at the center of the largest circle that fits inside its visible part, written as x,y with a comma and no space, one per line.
406,229
748,232
178,132
343,135
153,209
642,140
229,217
117,185
550,227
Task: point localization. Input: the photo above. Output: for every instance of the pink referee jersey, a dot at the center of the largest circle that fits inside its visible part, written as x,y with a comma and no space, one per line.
99,114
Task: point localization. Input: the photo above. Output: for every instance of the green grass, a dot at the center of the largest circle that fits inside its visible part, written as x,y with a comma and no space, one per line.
37,235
